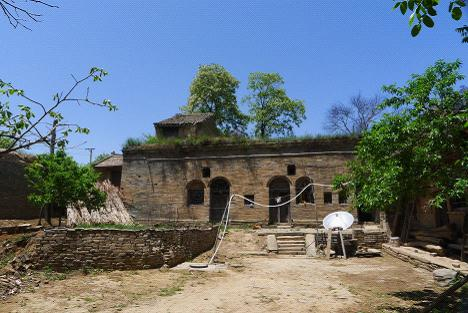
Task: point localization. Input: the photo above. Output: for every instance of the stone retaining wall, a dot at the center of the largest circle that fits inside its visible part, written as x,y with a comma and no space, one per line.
71,249
416,262
370,239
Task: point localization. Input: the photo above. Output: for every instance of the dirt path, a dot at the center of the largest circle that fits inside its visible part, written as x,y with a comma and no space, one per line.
262,284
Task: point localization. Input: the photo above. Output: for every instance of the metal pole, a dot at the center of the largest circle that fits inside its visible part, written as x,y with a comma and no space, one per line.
342,244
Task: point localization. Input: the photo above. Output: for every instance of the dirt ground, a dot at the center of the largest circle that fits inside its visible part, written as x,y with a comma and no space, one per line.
250,284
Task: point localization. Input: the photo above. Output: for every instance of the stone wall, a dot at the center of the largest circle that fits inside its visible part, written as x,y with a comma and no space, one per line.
370,238
70,249
14,188
155,177
365,238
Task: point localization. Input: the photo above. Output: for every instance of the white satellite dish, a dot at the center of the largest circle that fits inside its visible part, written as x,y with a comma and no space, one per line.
338,220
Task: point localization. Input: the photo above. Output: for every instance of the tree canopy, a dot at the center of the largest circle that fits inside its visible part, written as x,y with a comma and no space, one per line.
271,110
57,180
420,149
423,12
213,90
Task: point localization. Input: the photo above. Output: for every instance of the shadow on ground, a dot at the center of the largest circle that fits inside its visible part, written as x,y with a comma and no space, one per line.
457,302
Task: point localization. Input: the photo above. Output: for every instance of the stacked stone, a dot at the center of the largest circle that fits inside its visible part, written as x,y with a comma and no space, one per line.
9,285
71,249
370,238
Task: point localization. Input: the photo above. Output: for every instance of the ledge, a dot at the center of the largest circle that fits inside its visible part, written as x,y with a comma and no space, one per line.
424,259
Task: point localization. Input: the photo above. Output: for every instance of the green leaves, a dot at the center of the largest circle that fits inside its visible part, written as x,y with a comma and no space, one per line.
26,125
424,10
58,180
403,7
428,21
213,90
417,150
415,30
271,110
456,13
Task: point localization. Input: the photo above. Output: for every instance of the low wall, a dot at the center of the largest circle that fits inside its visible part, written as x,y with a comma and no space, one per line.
370,239
424,259
71,249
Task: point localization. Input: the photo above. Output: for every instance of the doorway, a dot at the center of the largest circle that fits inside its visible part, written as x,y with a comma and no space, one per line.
278,193
219,197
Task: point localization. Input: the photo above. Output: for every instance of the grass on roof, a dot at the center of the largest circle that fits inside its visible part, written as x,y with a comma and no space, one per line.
112,226
206,140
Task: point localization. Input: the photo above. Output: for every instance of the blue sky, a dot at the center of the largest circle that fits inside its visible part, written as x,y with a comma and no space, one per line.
326,51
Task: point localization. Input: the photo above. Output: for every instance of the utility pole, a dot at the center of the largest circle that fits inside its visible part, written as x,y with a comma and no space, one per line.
90,154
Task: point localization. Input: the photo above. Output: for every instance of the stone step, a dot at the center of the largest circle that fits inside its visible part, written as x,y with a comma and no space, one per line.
291,252
289,237
288,242
290,249
291,245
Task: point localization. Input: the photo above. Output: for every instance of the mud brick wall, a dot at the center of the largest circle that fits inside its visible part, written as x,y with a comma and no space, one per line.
155,178
71,249
14,188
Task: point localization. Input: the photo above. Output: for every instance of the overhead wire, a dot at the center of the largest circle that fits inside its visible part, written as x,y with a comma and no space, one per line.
225,217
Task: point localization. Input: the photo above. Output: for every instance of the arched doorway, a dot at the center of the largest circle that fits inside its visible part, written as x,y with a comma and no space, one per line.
279,193
219,197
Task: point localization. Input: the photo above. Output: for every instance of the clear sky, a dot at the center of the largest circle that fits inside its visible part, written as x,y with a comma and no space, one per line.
325,50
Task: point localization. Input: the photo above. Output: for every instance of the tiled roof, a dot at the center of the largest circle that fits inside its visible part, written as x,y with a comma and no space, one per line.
185,119
111,161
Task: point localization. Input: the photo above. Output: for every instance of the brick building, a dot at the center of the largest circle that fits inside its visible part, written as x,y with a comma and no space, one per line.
14,189
191,182
110,168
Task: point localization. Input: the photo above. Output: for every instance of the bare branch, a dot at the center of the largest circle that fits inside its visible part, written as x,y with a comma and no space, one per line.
29,133
354,118
17,14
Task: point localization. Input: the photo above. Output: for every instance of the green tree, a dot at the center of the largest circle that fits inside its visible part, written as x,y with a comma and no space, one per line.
57,180
420,149
213,90
5,143
423,12
271,110
33,123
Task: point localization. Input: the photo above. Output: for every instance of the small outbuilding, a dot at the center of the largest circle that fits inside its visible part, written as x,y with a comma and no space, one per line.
111,168
187,125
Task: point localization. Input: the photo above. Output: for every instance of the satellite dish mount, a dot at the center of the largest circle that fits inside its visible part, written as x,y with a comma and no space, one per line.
337,221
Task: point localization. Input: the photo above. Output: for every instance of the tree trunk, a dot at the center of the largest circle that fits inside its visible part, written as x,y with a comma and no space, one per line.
40,216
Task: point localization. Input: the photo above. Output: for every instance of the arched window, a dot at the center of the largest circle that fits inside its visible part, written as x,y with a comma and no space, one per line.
195,192
307,196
